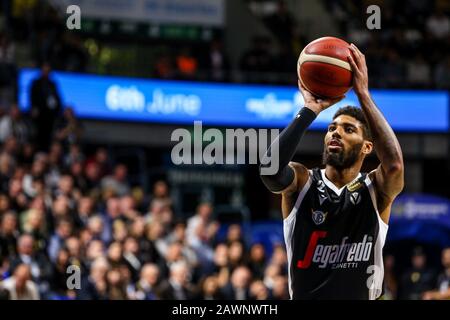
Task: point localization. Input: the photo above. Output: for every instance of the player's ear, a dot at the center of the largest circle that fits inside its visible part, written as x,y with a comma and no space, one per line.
367,147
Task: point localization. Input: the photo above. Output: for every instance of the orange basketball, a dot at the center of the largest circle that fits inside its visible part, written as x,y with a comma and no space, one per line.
323,67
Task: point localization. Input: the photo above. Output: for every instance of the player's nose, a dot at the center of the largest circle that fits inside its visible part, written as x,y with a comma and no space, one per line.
336,133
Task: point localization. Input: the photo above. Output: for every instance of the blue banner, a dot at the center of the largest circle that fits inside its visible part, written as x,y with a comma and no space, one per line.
180,102
421,217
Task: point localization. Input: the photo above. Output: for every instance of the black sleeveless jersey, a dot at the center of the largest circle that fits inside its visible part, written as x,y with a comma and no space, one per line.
334,240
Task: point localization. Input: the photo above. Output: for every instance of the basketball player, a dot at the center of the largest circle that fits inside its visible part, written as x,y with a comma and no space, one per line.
335,219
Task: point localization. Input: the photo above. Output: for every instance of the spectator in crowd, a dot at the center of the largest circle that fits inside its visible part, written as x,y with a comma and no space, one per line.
419,72
442,290
257,261
279,256
17,196
117,182
102,161
7,166
111,215
216,62
34,225
40,268
161,192
234,233
20,286
59,277
210,289
93,177
94,287
131,256
187,64
116,287
9,234
148,282
221,264
74,248
63,232
201,228
68,128
177,287
270,274
178,235
172,255
418,279
53,165
85,209
438,25
75,154
390,279
46,106
79,179
95,249
236,255
258,291
279,288
13,125
4,200
238,286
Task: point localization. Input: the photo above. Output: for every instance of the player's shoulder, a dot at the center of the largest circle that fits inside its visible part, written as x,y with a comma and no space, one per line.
302,167
295,165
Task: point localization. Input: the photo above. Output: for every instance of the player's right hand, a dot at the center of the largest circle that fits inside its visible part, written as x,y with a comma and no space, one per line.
315,103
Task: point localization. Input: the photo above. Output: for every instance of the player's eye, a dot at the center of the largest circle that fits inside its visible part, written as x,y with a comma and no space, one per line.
331,128
349,130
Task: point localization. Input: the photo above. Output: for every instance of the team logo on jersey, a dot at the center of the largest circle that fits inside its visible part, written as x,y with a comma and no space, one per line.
355,198
319,217
355,185
321,190
321,186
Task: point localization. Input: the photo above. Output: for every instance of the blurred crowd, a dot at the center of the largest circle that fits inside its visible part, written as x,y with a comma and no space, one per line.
64,211
420,281
410,50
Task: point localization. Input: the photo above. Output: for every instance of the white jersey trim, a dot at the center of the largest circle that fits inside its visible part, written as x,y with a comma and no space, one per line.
376,287
332,186
288,228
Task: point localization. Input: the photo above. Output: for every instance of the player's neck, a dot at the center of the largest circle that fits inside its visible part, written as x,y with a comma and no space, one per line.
341,177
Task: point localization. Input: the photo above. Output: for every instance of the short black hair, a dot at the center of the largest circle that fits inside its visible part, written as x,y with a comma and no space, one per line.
358,114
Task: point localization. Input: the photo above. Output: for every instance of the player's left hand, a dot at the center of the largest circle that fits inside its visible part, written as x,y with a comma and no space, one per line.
357,61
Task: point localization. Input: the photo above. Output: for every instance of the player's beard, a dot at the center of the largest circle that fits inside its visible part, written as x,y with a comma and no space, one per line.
343,159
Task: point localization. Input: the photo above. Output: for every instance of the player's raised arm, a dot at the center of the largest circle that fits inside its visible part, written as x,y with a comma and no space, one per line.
290,178
389,174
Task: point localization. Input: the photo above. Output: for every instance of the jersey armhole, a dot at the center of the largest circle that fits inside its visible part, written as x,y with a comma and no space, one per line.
373,195
300,197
